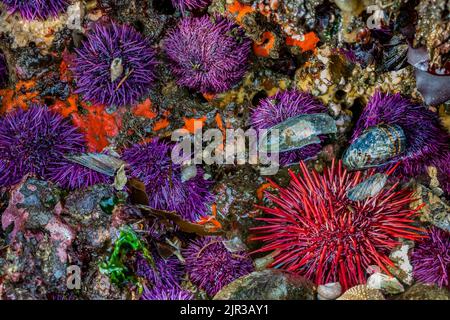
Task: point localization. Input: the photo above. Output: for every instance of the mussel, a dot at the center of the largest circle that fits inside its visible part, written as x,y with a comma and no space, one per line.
376,146
297,132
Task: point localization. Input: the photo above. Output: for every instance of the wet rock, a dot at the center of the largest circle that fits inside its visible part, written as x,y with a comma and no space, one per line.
436,211
421,291
400,257
32,205
268,285
385,283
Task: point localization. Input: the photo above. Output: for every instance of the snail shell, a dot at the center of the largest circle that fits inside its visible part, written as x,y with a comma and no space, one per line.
116,69
329,291
362,292
375,146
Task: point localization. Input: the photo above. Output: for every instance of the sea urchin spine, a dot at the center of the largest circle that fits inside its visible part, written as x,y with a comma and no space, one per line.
36,9
314,230
152,164
431,258
211,266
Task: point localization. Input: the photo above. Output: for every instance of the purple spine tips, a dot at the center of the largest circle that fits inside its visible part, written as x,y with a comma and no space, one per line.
431,258
210,265
207,54
36,9
152,164
115,65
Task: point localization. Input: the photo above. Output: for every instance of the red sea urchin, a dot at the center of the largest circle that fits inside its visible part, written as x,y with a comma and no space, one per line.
36,9
190,4
114,66
152,164
282,106
211,266
316,231
35,142
431,258
207,54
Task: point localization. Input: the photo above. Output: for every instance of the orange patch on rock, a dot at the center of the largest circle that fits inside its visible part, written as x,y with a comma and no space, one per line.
209,96
145,110
309,42
263,47
239,10
19,97
261,189
98,125
189,123
163,123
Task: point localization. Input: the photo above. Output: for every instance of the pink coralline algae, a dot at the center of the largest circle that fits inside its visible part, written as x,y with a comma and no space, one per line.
190,4
211,266
282,106
115,65
431,258
35,142
36,9
151,163
427,143
207,54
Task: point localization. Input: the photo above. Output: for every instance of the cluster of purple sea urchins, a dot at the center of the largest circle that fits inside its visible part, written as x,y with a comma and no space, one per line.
35,142
207,54
36,9
184,5
114,66
431,258
427,143
152,164
282,106
211,266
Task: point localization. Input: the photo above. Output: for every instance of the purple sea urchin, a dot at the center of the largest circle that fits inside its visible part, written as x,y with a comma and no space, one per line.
207,54
69,175
114,66
190,4
35,142
152,164
30,140
171,293
211,266
431,258
168,272
426,142
36,9
282,106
